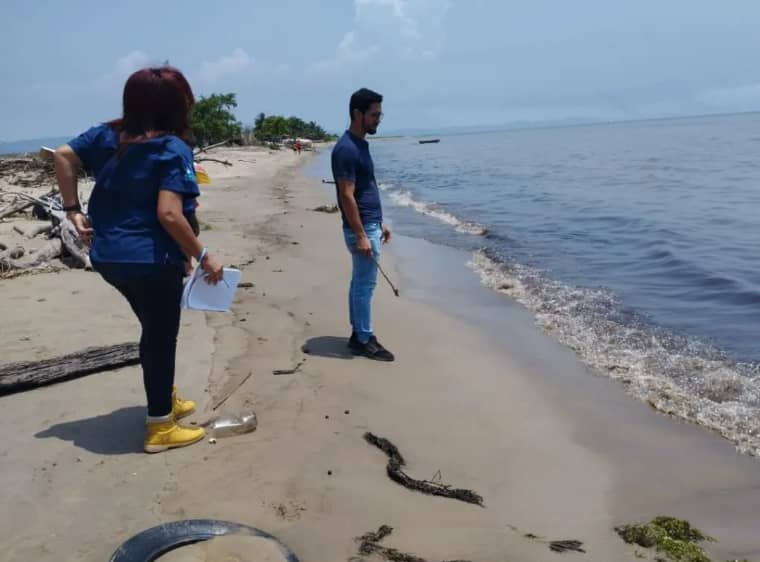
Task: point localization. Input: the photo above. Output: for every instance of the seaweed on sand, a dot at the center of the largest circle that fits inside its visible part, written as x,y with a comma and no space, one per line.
676,539
368,545
395,473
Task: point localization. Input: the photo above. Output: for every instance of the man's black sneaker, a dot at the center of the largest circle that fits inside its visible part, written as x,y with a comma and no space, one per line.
371,350
353,342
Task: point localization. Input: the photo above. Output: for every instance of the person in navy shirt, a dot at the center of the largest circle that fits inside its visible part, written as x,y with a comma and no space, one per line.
362,213
137,225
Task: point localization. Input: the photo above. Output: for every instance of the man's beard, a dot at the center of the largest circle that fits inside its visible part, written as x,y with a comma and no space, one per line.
371,131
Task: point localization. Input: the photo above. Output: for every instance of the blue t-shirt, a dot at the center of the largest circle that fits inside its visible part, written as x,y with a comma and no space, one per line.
351,161
124,201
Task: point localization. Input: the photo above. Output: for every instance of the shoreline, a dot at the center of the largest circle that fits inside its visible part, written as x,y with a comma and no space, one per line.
535,444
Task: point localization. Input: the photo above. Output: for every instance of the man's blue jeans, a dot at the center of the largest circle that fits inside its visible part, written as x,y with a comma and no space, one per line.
363,280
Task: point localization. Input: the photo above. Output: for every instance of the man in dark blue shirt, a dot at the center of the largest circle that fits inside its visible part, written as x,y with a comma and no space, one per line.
362,212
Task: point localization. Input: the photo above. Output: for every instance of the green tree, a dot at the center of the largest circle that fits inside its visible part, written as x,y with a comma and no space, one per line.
212,119
274,127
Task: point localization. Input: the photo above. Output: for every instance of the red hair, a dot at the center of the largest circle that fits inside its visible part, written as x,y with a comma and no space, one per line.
157,101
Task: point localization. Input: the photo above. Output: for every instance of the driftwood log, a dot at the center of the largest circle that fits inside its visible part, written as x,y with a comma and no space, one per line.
209,147
41,229
22,205
49,251
13,253
73,243
17,377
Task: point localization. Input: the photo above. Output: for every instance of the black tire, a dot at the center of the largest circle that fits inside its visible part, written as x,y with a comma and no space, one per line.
148,545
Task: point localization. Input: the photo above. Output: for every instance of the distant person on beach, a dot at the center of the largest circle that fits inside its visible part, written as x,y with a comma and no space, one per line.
138,228
363,228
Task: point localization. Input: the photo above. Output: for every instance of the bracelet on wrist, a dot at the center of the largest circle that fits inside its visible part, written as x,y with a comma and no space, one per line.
76,207
202,255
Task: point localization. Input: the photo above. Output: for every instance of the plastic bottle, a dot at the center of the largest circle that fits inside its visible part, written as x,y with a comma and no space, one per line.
225,426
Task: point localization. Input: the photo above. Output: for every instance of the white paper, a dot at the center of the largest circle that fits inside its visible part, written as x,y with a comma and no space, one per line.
198,294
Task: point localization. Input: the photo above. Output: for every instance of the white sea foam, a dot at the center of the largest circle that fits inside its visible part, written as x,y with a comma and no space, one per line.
405,199
676,375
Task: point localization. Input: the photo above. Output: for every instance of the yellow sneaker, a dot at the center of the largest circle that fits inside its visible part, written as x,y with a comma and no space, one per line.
181,408
163,435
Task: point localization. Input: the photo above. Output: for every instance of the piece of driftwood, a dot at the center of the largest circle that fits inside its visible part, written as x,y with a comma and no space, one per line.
225,162
16,377
74,244
22,204
19,230
52,249
395,473
13,253
326,209
49,251
369,545
566,546
209,147
292,371
40,229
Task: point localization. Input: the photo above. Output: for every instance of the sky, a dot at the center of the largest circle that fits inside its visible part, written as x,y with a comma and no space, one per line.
438,63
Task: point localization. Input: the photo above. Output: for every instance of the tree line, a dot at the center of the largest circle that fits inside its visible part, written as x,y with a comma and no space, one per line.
213,121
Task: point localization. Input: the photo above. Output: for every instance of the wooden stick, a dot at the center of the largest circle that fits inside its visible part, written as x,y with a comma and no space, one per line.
225,162
395,290
209,147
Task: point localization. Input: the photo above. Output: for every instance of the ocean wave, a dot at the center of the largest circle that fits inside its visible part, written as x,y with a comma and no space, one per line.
679,376
405,199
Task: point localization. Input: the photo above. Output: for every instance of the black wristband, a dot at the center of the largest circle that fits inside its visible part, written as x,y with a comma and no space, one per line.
75,207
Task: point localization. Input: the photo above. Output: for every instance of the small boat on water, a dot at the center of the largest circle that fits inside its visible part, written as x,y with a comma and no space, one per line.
429,141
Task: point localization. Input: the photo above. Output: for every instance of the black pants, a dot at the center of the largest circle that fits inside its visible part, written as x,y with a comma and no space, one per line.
155,297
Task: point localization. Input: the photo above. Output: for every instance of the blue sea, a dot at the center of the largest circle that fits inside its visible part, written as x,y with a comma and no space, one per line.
635,244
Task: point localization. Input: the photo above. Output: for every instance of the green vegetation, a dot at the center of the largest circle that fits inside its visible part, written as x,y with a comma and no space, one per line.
674,538
273,127
212,119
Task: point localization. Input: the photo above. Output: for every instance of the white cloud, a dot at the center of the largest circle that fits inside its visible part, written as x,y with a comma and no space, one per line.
347,41
348,52
211,71
122,68
409,30
408,26
131,62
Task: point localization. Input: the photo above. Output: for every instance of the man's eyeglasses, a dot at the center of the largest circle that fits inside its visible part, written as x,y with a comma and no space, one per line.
377,115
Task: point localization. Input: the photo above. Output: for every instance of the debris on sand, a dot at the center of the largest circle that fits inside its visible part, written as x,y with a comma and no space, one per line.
395,473
369,545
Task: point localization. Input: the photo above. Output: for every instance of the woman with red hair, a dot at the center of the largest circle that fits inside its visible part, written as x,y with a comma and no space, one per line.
137,225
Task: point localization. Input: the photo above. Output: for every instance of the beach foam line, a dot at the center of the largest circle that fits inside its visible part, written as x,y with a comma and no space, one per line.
404,198
677,375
